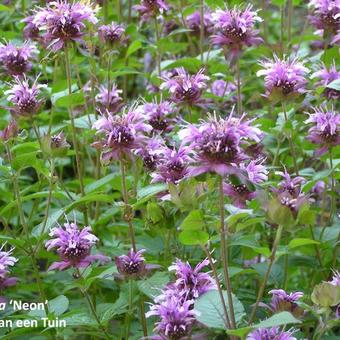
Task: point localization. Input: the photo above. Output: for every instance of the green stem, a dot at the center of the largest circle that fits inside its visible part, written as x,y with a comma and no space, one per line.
289,22
266,276
219,288
202,30
142,317
291,144
92,307
333,193
128,214
225,255
158,56
238,75
73,130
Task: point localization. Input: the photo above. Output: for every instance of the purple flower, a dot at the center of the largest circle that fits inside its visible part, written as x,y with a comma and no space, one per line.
221,88
112,34
284,78
326,16
6,261
185,88
256,171
335,279
73,246
192,281
193,22
10,131
55,145
218,144
150,153
25,98
151,8
109,100
172,165
159,115
273,333
31,30
132,265
318,189
176,317
281,301
336,39
63,22
121,134
325,129
235,28
327,76
17,60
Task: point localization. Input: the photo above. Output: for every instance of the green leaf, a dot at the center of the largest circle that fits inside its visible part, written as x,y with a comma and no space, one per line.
299,242
193,237
335,85
100,183
190,64
194,221
280,214
144,194
152,286
326,295
279,319
58,305
135,46
76,99
210,309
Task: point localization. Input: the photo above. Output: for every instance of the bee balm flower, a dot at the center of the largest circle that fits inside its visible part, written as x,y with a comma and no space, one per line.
6,261
284,78
327,76
73,246
63,22
273,333
111,34
151,8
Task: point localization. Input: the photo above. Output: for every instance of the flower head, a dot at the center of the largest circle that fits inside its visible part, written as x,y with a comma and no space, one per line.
151,8
281,301
284,78
150,153
112,34
131,265
159,115
193,22
335,279
121,134
218,145
10,131
55,145
172,165
63,22
192,281
73,246
25,98
273,333
6,261
325,16
325,130
236,28
31,30
109,99
185,88
221,88
16,60
176,316
327,76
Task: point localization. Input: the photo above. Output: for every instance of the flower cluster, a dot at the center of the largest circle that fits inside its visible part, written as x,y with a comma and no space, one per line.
62,22
73,246
185,88
325,131
326,17
284,78
112,34
235,28
174,306
25,98
327,76
273,333
219,144
151,8
121,134
193,22
16,60
281,301
6,261
109,100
